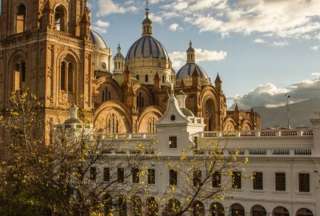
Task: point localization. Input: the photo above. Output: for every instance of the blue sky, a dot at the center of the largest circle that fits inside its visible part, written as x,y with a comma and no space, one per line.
257,46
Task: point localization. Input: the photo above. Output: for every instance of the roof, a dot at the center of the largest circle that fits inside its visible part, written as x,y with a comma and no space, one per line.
188,69
98,40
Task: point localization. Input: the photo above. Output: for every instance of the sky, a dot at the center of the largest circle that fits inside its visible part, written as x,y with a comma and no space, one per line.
262,49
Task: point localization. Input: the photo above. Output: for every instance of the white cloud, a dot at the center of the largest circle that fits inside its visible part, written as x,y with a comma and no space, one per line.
174,27
299,19
155,18
269,95
107,7
179,58
101,26
315,48
280,43
259,41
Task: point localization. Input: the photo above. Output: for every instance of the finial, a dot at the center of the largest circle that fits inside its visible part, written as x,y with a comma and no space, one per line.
147,8
119,48
190,44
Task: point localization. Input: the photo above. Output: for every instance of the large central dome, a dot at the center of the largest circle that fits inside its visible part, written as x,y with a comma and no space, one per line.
147,47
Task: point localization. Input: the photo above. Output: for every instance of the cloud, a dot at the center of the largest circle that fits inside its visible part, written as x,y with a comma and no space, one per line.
294,19
269,95
174,27
259,41
315,48
155,18
107,7
280,43
202,55
101,26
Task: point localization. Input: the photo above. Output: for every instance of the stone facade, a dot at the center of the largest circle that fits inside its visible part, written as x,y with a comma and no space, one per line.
48,46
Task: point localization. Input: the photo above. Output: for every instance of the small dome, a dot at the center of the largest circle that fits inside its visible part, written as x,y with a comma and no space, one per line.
147,47
119,54
188,69
98,40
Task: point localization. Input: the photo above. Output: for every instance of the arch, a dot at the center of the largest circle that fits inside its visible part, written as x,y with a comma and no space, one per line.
304,212
18,71
172,208
280,211
21,18
112,117
152,207
67,75
108,90
209,115
143,98
229,125
60,18
107,204
237,210
198,209
136,205
122,206
258,210
246,126
217,209
148,119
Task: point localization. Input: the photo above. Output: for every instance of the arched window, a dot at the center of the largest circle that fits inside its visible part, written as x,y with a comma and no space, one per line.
173,207
136,206
19,75
237,210
258,210
280,211
217,209
112,124
152,207
60,18
140,100
146,78
21,18
209,115
122,206
304,212
198,209
106,94
107,204
67,75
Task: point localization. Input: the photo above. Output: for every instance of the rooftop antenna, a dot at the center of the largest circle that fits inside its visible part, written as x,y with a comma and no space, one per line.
288,111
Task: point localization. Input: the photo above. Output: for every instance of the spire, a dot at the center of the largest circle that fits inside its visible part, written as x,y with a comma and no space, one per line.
218,79
119,49
147,23
191,56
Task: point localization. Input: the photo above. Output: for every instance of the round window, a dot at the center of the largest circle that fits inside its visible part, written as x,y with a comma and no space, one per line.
104,65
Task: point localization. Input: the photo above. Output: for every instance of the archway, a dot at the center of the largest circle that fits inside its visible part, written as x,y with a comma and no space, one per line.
152,207
198,209
304,212
258,210
217,209
148,119
136,205
280,211
209,115
60,18
237,210
173,207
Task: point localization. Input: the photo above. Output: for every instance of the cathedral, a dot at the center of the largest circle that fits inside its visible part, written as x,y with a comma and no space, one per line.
49,47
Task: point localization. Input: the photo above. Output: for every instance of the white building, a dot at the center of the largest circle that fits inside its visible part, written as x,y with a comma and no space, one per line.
285,163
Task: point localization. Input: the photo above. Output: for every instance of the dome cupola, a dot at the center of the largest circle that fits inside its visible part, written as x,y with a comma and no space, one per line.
119,62
191,67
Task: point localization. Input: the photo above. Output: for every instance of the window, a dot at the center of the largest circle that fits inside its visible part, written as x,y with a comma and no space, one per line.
135,175
106,94
140,100
173,177
63,75
93,173
70,77
216,180
151,176
112,124
152,125
20,75
137,77
172,142
304,182
60,18
21,18
67,74
257,181
106,174
146,78
172,117
120,175
280,181
197,176
163,79
236,180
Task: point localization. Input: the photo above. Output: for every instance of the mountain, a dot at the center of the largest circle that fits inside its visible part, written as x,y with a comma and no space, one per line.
300,114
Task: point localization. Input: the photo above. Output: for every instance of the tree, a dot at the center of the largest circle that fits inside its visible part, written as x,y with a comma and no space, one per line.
55,179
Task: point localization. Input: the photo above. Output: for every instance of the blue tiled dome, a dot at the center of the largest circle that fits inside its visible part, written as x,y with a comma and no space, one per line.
147,47
188,69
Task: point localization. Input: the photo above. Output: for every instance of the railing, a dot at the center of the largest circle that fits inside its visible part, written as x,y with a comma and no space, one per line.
262,133
107,136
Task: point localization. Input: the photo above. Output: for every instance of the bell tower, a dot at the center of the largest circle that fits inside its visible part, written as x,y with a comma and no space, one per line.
46,47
